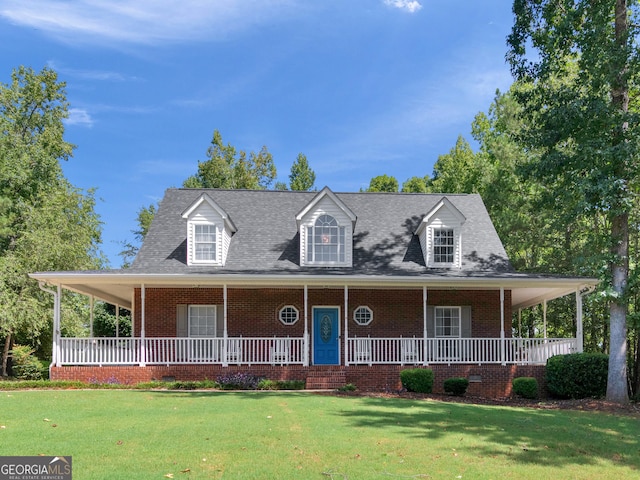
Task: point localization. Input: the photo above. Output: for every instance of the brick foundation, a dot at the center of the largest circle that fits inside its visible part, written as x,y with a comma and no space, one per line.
491,381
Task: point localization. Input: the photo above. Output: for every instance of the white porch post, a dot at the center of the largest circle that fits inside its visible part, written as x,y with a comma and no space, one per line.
305,341
579,327
143,353
424,324
502,339
133,313
520,322
225,332
544,318
91,301
346,325
117,320
57,300
55,352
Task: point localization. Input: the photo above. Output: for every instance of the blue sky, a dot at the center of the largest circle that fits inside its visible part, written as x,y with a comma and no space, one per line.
361,87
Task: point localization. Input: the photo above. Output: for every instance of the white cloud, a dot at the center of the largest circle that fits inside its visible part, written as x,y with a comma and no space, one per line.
78,116
146,22
411,6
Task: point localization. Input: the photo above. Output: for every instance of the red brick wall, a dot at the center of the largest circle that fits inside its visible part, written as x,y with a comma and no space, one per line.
495,380
254,312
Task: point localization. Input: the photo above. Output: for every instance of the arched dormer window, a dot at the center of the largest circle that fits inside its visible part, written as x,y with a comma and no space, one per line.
325,241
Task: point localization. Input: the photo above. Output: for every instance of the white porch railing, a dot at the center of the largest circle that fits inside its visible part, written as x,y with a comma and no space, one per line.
418,351
291,350
164,351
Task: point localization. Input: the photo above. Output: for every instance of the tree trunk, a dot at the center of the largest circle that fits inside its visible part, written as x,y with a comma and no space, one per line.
5,354
617,379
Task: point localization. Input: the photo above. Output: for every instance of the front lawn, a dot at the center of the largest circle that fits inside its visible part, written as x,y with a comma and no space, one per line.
186,435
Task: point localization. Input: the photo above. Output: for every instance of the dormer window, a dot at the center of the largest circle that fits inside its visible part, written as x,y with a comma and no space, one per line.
443,245
325,241
209,232
325,226
205,243
440,236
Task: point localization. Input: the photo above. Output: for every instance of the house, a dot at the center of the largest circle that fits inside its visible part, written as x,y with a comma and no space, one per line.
331,288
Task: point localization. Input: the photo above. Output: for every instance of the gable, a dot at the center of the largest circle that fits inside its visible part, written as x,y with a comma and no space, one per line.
208,232
440,234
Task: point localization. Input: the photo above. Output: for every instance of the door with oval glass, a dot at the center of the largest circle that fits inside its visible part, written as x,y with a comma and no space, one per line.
326,336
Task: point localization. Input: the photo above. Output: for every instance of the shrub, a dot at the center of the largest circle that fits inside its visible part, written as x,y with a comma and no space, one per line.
419,380
238,381
526,387
25,366
456,386
577,375
266,384
349,387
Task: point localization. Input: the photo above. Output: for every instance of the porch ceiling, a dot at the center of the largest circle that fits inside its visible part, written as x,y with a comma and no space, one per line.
117,288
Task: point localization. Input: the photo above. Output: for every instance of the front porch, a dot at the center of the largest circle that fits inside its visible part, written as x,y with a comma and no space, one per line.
296,351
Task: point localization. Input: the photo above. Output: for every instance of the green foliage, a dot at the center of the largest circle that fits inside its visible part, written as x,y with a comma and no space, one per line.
419,380
456,386
227,168
457,172
25,366
45,223
302,177
577,375
579,63
349,387
383,183
526,387
417,185
104,321
265,384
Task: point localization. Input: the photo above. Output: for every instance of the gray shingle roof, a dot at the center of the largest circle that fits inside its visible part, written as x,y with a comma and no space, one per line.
267,239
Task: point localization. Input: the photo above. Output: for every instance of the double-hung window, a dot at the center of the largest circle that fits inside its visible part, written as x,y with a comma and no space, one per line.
202,320
205,242
443,245
325,241
447,321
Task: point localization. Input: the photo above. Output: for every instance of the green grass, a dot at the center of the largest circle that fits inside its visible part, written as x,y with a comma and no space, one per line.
116,434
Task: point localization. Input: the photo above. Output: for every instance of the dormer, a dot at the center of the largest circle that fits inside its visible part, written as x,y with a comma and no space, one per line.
326,227
209,231
440,235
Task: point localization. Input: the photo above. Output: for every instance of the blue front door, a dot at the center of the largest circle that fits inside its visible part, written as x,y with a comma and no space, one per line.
326,344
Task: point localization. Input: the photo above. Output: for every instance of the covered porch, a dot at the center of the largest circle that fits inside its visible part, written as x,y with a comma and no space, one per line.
418,345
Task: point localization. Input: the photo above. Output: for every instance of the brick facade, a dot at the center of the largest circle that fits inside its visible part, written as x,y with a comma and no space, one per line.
254,312
491,381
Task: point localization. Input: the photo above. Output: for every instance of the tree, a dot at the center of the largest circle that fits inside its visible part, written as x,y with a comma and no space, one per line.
143,219
227,168
45,223
585,59
383,183
456,171
302,177
417,185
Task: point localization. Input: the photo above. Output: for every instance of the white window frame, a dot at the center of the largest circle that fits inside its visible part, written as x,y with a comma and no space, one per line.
450,249
357,315
326,230
441,328
213,230
195,312
288,310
